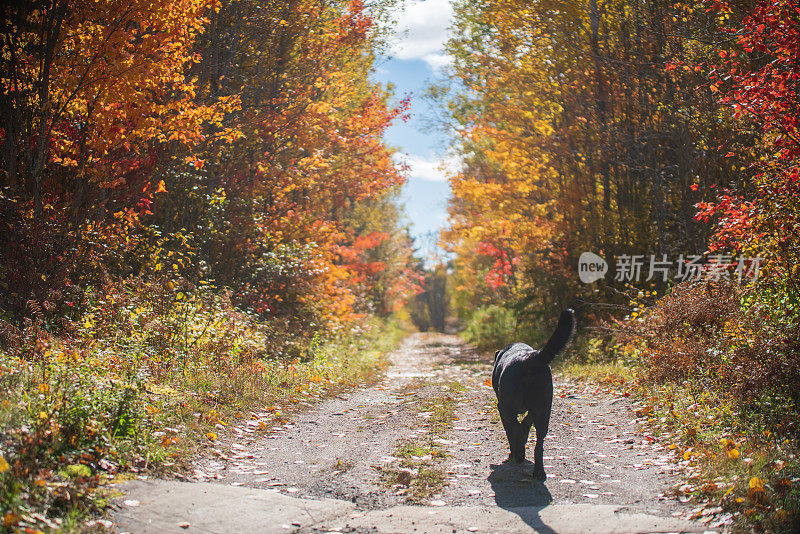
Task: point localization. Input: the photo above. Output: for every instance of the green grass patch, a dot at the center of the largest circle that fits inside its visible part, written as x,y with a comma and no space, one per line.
418,475
732,465
610,373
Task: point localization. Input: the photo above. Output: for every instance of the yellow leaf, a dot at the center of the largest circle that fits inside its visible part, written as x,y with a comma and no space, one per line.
211,436
10,520
3,465
756,484
733,454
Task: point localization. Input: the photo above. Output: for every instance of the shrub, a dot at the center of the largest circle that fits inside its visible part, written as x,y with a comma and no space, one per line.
148,370
727,339
491,327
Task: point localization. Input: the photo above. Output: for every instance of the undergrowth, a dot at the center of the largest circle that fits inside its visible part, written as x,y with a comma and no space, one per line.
149,374
715,373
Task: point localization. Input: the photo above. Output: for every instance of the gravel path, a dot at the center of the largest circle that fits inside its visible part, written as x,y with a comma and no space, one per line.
599,463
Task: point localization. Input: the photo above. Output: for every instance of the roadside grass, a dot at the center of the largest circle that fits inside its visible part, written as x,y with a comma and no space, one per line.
148,377
605,373
418,476
735,467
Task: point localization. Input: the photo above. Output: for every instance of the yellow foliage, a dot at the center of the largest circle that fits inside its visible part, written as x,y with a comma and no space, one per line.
756,484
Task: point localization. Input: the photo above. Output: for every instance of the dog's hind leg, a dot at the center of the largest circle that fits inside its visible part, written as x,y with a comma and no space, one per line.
523,432
512,428
542,422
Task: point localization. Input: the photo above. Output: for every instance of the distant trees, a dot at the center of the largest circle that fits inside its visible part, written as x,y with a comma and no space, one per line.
429,309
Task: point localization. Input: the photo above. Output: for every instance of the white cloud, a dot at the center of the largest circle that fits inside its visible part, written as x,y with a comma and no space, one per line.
434,170
437,61
422,25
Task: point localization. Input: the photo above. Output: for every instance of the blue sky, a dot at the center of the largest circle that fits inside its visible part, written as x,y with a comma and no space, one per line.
416,58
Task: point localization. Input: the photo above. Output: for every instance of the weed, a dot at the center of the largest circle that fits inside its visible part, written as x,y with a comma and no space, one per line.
417,475
148,377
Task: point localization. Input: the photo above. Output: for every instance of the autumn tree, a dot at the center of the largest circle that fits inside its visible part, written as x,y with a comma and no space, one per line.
583,128
755,76
237,143
92,94
281,202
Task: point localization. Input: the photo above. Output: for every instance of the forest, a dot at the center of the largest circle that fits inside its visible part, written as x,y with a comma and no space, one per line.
200,214
665,136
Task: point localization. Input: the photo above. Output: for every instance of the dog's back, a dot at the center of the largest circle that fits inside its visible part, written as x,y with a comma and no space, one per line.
519,385
518,365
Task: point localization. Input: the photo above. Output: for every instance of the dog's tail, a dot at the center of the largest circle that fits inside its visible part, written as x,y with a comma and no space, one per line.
557,342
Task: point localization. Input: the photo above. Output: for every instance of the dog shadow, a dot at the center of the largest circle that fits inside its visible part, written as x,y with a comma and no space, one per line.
517,491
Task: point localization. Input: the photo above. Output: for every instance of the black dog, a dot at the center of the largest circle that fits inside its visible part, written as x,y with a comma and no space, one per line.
524,386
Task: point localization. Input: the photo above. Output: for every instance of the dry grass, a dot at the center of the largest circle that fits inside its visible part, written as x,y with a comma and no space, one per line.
151,372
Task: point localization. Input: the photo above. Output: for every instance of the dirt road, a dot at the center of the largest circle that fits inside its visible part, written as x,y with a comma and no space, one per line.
421,451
